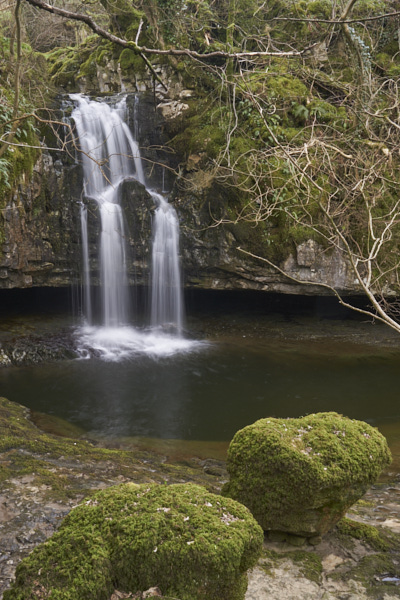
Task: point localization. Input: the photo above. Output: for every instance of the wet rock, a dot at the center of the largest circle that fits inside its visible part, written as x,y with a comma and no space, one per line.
152,593
5,360
32,350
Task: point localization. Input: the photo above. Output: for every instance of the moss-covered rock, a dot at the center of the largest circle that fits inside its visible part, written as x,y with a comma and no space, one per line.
301,475
191,543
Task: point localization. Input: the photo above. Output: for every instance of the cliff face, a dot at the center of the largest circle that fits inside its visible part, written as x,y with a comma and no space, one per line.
213,257
40,228
41,221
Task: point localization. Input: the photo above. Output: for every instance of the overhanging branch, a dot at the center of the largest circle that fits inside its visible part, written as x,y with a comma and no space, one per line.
143,51
379,315
340,21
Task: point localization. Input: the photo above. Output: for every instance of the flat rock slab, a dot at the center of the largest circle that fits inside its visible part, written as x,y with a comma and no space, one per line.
284,578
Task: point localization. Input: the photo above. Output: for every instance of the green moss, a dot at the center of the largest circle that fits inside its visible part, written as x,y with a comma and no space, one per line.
388,63
321,9
88,68
299,234
322,111
67,65
286,87
192,543
301,475
203,129
125,18
377,539
58,463
104,52
374,572
310,564
18,160
364,504
64,65
129,60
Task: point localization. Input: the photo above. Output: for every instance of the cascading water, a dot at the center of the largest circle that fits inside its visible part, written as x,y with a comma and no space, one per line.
87,299
110,155
166,294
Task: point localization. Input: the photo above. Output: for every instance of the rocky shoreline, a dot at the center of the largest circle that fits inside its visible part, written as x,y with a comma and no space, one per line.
36,349
42,477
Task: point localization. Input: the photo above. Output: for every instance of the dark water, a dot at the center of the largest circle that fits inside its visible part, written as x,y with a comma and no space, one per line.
254,364
210,392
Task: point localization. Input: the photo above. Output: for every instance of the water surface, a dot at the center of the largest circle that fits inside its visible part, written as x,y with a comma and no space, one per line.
248,365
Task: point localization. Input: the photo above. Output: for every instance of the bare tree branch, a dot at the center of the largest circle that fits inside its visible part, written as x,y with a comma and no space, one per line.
393,324
340,21
142,50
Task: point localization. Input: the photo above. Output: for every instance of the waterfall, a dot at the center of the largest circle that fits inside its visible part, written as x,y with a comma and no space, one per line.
166,291
110,155
87,300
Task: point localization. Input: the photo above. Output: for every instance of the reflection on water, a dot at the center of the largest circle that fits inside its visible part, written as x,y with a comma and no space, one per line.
263,358
210,393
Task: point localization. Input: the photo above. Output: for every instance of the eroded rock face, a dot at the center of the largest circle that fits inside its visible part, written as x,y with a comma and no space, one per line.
212,247
301,475
40,228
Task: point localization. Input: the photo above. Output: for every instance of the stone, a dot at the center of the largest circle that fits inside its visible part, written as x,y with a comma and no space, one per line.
193,543
152,593
315,540
173,109
184,94
296,540
307,253
301,475
320,52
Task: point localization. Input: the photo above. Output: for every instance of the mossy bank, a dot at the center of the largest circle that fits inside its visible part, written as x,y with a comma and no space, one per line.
44,476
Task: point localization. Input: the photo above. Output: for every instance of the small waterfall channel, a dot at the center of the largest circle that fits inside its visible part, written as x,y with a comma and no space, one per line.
110,155
166,297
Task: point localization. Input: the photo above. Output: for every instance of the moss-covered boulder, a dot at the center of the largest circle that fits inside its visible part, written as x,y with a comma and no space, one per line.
187,541
301,475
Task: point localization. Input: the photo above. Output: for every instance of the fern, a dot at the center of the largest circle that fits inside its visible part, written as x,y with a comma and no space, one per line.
4,174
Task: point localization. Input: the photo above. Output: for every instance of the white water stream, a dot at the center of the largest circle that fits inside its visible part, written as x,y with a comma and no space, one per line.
166,294
110,155
87,300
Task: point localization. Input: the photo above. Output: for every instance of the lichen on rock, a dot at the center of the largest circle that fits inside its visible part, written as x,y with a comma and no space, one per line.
188,541
301,475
